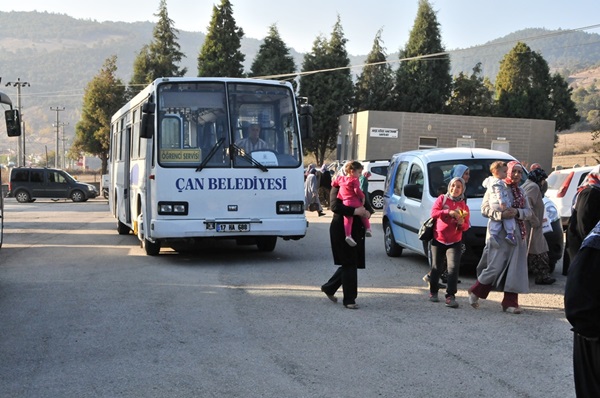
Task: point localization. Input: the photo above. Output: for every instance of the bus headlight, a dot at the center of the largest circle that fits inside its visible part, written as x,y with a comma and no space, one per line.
173,208
290,207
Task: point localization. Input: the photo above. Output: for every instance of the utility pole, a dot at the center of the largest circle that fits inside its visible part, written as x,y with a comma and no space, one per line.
21,140
57,109
64,140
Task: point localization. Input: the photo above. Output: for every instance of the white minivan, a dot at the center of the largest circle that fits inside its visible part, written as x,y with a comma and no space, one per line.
416,178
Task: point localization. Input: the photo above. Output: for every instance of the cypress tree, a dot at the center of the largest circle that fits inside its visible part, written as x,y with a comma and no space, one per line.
423,85
273,57
220,54
329,91
375,83
160,57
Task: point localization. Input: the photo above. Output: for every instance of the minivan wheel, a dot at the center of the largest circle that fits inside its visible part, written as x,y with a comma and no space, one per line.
392,249
22,196
377,200
77,196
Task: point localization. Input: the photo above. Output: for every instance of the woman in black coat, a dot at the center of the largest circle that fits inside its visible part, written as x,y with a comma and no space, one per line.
586,213
348,258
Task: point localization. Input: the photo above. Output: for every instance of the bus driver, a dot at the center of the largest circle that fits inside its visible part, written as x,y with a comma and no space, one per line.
253,142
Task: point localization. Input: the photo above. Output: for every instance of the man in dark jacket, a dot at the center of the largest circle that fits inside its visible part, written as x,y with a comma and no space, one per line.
582,308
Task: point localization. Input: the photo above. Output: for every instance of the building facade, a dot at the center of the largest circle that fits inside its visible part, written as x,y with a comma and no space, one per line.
370,135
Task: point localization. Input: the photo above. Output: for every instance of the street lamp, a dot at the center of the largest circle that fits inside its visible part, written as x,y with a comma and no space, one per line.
21,140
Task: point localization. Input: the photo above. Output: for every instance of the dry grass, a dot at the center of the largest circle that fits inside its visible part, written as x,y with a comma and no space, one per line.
574,149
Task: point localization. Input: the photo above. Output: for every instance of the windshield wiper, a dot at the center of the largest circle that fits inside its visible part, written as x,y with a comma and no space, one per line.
212,152
249,158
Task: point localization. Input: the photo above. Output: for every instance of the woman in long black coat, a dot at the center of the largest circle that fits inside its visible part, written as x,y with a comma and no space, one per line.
348,258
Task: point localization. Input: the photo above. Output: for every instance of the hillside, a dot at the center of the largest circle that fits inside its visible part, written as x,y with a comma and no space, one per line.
58,55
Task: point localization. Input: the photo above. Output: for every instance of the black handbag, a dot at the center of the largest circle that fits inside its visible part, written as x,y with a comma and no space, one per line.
426,230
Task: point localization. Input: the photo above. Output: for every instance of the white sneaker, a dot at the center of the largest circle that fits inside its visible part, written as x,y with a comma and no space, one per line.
368,234
350,241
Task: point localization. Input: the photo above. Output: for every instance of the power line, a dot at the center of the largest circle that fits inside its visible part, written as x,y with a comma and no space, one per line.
433,56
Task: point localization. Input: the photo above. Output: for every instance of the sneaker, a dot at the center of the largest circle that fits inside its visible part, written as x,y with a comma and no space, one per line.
511,239
451,302
368,234
427,279
433,297
321,214
350,241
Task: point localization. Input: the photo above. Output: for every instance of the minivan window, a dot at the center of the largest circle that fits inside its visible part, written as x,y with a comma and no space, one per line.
55,176
20,175
416,178
37,175
399,180
479,171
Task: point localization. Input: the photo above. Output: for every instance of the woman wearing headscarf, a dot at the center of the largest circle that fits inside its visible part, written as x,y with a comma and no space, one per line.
451,216
458,171
537,259
586,212
503,267
311,194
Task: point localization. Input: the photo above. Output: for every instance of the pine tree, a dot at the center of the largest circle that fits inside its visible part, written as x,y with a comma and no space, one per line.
423,85
220,54
273,57
329,91
375,83
523,85
471,95
160,57
103,96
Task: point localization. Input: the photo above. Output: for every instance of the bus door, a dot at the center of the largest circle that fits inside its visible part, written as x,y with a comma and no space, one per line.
127,191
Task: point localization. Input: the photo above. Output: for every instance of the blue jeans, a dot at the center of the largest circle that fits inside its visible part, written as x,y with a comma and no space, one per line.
451,253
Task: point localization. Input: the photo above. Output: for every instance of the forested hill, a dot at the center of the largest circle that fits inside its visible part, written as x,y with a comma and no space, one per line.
58,55
565,51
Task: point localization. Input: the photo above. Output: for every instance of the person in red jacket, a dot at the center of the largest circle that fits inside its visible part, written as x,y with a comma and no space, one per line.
451,215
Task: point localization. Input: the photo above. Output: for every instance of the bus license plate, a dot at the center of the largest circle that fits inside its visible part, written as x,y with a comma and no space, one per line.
231,227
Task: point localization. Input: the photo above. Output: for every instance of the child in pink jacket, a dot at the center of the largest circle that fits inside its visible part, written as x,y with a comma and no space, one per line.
451,215
352,196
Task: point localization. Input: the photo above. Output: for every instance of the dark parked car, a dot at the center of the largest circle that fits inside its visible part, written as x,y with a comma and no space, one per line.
28,183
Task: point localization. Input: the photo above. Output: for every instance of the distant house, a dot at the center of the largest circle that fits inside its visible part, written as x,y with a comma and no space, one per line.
88,163
371,135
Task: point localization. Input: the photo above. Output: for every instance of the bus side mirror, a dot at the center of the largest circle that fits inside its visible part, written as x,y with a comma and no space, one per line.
147,128
306,121
13,122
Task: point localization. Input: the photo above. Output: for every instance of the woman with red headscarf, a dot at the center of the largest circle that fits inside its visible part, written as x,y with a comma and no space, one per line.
503,267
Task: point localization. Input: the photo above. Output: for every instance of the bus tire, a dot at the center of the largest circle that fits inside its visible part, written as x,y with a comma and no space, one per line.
151,248
266,243
122,229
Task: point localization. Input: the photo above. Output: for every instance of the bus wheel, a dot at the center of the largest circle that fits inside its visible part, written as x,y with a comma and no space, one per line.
151,248
122,229
266,243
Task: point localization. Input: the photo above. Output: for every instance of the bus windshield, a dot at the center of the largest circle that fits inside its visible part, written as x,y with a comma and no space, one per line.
227,124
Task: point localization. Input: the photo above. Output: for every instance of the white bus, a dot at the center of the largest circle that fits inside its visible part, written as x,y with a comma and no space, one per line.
184,164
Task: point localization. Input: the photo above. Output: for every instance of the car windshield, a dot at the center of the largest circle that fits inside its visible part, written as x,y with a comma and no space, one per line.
440,174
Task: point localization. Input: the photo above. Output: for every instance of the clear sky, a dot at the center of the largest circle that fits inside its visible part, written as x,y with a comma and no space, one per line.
464,23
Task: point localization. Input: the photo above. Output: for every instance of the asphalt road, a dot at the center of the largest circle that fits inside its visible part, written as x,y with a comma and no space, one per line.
85,313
